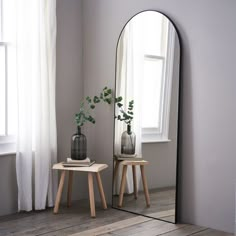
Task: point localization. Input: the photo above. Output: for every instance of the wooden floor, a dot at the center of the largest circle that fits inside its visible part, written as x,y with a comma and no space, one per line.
162,203
76,221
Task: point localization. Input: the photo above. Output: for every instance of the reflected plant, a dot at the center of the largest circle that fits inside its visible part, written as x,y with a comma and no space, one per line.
128,116
89,103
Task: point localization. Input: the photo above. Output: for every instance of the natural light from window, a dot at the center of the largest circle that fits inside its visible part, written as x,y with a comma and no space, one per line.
151,43
8,83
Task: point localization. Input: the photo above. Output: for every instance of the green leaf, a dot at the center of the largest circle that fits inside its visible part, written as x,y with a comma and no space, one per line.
107,100
90,119
96,99
119,99
88,99
92,106
125,116
119,104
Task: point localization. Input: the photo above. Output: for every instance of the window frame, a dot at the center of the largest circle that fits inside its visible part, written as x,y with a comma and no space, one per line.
5,45
1,20
7,142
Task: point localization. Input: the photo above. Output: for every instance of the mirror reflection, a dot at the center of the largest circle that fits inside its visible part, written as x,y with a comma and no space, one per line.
145,139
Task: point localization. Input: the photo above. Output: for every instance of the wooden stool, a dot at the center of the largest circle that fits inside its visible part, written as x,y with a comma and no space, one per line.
95,168
123,180
117,161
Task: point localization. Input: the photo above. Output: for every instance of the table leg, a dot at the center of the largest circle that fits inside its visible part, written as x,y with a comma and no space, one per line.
134,181
145,187
122,186
91,194
69,192
59,192
100,187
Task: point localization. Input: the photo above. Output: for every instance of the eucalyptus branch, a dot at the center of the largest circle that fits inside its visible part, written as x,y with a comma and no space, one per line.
89,103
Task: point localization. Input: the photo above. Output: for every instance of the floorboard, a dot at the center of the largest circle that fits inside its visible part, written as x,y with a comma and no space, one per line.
162,201
76,221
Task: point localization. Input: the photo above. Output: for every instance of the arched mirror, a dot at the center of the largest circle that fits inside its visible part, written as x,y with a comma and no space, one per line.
146,117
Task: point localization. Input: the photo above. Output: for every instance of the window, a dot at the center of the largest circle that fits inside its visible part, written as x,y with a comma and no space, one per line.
8,95
157,63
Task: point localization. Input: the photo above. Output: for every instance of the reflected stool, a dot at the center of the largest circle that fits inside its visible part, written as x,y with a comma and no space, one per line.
135,163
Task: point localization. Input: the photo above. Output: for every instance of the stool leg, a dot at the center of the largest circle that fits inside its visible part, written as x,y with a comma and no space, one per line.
91,194
135,181
59,192
145,186
69,192
122,186
116,168
100,187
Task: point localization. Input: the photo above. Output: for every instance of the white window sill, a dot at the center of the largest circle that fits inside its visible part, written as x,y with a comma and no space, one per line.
157,141
7,149
154,137
3,154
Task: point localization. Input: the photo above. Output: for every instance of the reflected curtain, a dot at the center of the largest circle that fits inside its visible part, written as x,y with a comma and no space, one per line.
36,139
129,87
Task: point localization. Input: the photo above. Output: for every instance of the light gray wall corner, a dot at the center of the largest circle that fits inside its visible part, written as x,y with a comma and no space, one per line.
208,116
69,81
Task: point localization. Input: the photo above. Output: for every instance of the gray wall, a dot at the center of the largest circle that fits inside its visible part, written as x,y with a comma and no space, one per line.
161,172
8,185
207,166
69,83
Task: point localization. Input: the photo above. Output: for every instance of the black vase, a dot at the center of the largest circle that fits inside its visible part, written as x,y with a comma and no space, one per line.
128,140
78,145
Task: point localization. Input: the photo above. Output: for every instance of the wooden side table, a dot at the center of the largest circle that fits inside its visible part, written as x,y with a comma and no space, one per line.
95,168
135,163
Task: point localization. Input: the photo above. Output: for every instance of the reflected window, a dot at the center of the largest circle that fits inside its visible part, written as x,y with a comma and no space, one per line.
152,63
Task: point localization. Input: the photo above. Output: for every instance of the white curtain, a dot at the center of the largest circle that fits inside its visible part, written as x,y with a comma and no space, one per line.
35,66
128,85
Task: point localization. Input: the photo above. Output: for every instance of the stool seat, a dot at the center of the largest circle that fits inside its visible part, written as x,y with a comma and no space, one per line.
95,168
135,163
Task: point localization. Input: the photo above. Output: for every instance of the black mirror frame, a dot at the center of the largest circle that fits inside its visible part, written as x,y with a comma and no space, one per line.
178,176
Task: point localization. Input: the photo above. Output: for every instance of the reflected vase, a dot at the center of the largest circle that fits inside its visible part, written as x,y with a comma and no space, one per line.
128,140
78,145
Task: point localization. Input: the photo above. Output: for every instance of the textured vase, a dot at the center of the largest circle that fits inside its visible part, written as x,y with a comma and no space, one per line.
128,140
78,145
